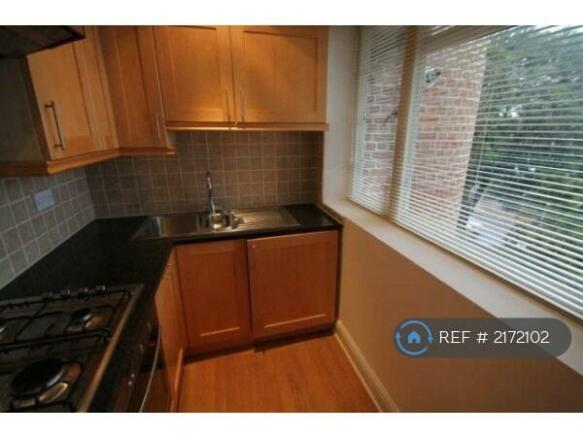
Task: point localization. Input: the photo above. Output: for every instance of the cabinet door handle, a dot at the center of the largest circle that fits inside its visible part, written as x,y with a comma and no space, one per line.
251,256
242,105
228,106
53,107
158,129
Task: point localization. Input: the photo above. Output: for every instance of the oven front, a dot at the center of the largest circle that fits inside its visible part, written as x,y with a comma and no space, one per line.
145,387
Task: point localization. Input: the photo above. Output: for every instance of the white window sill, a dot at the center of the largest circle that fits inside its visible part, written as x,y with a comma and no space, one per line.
494,296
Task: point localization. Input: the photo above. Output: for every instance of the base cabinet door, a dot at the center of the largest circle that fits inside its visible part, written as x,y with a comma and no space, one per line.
170,315
213,278
292,282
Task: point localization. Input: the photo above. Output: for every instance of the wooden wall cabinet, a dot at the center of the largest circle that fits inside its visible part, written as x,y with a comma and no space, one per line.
123,90
196,76
169,308
280,75
130,62
215,294
94,83
243,77
292,282
60,101
60,98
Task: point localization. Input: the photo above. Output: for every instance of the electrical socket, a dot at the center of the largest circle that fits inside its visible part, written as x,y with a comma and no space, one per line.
43,200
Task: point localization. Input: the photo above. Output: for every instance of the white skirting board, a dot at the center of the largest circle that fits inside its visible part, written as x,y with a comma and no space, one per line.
377,391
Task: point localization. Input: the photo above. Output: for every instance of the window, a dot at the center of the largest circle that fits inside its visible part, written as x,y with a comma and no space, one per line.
492,168
380,67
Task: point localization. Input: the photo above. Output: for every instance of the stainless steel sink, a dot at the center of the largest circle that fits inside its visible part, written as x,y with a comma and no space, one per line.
200,223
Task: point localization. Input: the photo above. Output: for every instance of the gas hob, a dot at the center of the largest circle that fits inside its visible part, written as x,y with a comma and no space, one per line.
54,349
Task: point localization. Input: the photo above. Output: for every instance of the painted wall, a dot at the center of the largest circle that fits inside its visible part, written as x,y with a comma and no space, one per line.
342,51
380,288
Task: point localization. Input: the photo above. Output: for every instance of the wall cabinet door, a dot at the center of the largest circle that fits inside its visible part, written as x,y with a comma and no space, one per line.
214,283
171,317
58,110
129,59
95,90
292,282
280,73
196,77
59,95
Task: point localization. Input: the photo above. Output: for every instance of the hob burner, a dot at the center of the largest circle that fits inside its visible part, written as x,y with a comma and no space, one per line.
81,316
37,377
3,326
43,382
86,319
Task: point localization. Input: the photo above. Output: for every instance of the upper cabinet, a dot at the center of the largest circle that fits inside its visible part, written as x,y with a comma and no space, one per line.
196,75
130,62
124,90
59,97
96,90
280,74
243,77
59,100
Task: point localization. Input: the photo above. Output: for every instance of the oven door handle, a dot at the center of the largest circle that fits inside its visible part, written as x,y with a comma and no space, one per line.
153,371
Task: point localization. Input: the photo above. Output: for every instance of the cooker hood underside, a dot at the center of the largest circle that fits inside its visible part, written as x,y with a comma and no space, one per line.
19,41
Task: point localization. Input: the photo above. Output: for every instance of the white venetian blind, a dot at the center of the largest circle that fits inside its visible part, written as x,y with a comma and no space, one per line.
380,69
494,167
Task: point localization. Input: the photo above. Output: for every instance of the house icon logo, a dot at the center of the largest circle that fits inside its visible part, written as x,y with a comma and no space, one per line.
413,337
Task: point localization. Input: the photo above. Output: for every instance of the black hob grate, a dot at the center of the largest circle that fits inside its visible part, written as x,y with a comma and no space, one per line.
72,327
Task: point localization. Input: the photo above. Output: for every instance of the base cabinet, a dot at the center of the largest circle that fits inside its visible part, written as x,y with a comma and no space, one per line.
292,282
171,318
214,284
239,291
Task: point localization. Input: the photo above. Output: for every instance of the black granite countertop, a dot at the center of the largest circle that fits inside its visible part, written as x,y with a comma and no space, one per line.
103,253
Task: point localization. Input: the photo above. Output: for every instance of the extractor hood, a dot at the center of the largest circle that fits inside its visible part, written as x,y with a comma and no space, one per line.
19,41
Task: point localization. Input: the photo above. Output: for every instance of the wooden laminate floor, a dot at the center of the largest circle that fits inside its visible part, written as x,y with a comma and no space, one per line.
313,375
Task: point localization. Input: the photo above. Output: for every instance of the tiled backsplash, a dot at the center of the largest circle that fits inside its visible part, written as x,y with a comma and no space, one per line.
248,169
25,234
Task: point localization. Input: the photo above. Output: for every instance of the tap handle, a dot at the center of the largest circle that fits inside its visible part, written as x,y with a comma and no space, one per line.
209,181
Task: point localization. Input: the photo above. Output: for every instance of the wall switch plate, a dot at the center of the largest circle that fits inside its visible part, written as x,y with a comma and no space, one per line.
43,200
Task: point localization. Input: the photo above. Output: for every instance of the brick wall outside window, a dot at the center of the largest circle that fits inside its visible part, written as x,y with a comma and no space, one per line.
445,128
442,146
